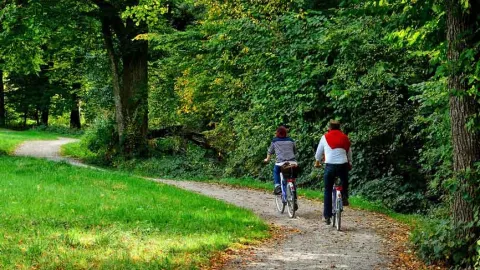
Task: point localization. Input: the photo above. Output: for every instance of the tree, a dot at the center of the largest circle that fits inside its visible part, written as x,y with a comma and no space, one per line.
2,100
129,66
75,109
462,35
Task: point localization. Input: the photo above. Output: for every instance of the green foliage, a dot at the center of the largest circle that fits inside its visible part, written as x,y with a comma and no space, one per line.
102,139
301,69
60,130
167,145
79,151
21,38
446,240
439,240
394,195
477,264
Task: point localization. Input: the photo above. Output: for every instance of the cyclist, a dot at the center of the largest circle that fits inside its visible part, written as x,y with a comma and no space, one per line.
284,148
335,147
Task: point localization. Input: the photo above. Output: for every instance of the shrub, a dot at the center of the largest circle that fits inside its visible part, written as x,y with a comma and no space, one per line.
102,139
438,240
394,194
194,163
167,145
63,130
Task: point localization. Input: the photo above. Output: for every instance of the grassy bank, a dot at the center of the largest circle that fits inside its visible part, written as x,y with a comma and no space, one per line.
55,216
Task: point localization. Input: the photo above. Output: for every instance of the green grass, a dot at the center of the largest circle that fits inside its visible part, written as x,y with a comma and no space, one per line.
9,139
76,150
55,216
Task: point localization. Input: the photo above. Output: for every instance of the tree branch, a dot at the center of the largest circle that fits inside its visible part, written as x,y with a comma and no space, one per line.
113,15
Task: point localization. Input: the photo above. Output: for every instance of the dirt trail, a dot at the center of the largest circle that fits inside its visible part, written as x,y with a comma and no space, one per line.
307,242
44,149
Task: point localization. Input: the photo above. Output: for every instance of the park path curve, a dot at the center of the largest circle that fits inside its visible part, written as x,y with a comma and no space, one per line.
300,243
48,149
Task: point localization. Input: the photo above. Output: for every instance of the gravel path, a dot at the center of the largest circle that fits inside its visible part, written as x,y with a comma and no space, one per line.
47,149
304,242
307,242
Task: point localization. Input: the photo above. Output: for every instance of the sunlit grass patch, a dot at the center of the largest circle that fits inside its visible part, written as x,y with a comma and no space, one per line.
77,150
55,216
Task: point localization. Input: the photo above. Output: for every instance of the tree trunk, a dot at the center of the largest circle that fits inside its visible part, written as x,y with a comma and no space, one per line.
75,112
37,117
134,98
44,118
114,65
463,106
2,101
130,81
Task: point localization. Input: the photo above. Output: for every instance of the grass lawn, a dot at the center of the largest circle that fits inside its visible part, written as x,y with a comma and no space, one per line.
55,216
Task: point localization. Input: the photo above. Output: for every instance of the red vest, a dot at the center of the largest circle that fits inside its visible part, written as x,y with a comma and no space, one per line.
337,139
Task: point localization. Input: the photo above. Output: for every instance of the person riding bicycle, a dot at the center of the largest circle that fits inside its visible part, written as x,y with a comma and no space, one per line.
335,147
285,150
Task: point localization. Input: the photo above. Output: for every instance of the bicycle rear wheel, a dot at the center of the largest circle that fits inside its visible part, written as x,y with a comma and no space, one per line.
334,207
279,203
338,214
290,202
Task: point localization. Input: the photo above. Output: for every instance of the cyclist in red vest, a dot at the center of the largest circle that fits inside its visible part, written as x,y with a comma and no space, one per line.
335,148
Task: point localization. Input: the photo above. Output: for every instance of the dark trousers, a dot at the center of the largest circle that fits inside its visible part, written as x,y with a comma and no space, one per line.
331,172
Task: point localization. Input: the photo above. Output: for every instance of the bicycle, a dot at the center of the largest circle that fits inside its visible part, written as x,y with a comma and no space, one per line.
288,197
337,206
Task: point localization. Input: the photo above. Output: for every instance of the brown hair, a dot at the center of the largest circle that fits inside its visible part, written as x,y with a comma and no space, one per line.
334,124
281,132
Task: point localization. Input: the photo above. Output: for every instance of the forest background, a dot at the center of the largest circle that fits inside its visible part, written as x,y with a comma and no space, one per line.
196,89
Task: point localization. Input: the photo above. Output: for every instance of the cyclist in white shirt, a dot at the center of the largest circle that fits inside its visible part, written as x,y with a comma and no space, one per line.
335,147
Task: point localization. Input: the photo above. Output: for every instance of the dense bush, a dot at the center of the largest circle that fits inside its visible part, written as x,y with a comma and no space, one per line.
439,241
102,139
63,130
193,165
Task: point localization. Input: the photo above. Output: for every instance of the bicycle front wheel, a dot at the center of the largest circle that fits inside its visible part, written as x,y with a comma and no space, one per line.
279,203
290,202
